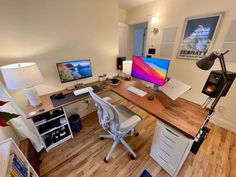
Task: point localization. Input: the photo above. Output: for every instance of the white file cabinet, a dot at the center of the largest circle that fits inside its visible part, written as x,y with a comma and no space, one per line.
169,148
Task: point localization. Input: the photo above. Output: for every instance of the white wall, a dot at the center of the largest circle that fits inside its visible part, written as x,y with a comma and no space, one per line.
48,32
122,15
173,13
123,39
8,132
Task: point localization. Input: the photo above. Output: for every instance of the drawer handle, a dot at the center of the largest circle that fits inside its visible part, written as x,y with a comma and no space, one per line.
162,158
169,139
167,144
165,152
171,132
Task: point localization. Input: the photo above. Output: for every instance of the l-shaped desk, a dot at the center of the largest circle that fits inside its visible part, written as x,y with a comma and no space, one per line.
181,114
178,122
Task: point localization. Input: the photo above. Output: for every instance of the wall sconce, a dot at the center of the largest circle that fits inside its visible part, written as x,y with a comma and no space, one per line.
154,22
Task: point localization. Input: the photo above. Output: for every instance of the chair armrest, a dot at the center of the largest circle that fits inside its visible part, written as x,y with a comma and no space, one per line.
132,121
107,99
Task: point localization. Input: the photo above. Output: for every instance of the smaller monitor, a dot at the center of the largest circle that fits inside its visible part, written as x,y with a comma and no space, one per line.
152,70
74,70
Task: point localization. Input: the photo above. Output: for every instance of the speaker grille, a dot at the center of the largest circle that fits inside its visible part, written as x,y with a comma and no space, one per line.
119,63
215,83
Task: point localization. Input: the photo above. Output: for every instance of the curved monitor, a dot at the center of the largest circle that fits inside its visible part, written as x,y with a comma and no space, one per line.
152,70
74,70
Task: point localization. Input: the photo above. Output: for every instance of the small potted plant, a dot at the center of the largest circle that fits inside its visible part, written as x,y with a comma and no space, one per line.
6,116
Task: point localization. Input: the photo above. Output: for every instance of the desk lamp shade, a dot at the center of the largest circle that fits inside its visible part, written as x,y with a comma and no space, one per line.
23,76
207,62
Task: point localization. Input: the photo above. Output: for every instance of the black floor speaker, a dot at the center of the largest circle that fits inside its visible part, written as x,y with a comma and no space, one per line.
215,83
119,63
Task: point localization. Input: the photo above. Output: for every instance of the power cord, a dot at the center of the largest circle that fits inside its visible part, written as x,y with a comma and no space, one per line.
87,102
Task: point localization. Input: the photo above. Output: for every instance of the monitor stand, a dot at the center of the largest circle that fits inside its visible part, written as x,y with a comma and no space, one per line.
79,85
155,87
152,96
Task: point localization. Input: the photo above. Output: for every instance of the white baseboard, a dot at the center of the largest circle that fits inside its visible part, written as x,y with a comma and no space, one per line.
228,125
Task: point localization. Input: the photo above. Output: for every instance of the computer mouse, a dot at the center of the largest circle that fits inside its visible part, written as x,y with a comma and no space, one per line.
150,97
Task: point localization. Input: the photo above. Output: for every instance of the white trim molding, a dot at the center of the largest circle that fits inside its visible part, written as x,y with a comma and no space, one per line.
226,124
124,25
140,20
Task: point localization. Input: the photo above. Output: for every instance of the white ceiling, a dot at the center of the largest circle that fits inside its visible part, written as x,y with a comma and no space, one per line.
128,4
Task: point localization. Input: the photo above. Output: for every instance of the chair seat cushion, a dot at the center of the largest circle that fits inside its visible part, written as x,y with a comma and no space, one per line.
127,118
131,122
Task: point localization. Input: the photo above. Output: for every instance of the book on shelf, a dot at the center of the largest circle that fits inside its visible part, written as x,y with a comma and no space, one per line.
17,167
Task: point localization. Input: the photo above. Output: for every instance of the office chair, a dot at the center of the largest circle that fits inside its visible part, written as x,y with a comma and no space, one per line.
118,121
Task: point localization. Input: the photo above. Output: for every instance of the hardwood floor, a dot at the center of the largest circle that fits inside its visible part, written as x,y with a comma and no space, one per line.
83,156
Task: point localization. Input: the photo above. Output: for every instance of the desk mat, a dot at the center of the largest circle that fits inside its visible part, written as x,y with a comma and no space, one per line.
71,97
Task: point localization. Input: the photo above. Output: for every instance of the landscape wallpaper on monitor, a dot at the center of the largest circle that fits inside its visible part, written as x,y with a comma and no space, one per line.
74,70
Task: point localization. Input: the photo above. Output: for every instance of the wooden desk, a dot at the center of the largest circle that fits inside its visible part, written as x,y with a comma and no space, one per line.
47,105
182,120
183,115
54,117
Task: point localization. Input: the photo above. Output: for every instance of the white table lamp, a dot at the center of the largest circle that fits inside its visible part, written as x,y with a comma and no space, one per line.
127,67
23,76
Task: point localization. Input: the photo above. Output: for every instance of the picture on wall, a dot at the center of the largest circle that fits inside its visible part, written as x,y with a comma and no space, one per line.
198,36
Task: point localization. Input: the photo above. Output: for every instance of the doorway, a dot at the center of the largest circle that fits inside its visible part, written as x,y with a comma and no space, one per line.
139,39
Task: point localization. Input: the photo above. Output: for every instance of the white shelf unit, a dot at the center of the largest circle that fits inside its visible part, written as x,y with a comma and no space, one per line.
47,118
46,121
170,148
8,147
53,129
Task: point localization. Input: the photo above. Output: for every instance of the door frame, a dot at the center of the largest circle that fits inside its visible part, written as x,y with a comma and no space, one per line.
146,19
126,27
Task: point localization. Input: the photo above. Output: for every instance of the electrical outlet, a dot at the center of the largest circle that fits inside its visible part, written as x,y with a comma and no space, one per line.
221,109
86,101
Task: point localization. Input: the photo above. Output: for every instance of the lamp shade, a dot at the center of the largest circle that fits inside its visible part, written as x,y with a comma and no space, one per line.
207,62
21,75
127,65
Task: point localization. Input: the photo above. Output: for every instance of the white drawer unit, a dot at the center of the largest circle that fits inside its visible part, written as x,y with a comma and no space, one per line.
169,148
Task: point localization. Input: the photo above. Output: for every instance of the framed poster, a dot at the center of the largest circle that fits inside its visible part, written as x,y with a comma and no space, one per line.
198,36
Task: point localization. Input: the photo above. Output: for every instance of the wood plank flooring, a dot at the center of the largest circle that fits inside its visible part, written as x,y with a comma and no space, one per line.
83,156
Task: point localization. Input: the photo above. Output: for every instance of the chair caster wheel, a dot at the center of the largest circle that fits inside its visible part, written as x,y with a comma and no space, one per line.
136,134
105,160
101,138
132,157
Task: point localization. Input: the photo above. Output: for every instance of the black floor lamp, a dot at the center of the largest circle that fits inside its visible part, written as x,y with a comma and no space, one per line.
218,82
216,86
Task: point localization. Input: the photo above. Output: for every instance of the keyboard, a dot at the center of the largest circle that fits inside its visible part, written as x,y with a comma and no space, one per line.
82,91
137,91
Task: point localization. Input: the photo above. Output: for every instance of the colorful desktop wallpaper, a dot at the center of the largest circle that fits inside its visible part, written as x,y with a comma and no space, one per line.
74,70
150,69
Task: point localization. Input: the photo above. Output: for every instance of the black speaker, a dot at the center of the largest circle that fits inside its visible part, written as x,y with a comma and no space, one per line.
215,83
119,62
152,51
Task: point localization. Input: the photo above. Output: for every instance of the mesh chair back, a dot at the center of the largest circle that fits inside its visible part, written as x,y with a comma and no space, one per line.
107,114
